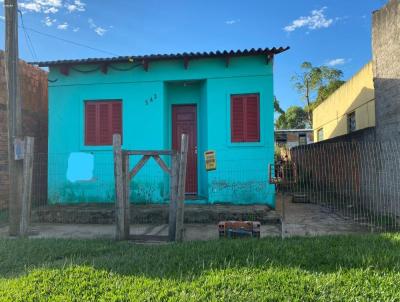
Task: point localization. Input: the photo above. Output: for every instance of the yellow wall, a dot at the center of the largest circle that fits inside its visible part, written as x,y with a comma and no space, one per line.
357,94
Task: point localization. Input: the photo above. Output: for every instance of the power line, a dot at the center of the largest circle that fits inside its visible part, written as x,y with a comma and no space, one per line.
28,38
69,41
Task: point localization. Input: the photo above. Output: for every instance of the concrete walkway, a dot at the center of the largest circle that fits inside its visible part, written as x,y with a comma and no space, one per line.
306,219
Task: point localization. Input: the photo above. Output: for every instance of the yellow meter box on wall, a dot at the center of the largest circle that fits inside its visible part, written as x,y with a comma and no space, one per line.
210,160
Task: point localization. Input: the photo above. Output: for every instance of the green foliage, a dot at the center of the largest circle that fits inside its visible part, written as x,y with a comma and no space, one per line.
295,117
277,106
315,84
325,91
333,268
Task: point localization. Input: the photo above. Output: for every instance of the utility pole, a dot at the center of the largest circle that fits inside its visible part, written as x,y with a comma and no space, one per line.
15,165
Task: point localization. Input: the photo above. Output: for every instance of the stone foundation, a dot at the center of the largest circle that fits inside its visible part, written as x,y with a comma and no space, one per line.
142,214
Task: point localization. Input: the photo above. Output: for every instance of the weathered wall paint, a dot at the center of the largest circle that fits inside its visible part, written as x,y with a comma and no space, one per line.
147,99
356,95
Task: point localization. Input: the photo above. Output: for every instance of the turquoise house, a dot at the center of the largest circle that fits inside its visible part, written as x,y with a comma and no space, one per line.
222,100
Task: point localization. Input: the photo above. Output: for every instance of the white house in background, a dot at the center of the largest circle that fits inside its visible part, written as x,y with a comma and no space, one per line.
290,138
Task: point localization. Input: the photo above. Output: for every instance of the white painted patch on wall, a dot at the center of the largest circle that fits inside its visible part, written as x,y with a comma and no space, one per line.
80,167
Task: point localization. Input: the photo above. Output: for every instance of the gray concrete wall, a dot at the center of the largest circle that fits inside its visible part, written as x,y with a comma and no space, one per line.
386,57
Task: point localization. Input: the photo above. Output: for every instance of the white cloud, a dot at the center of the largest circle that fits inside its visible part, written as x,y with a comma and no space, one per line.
48,21
100,31
51,6
63,26
75,29
336,62
51,10
77,5
231,22
97,29
31,6
2,17
316,20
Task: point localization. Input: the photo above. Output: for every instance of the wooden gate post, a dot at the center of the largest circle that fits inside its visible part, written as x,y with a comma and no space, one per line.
173,190
126,194
27,186
119,188
181,187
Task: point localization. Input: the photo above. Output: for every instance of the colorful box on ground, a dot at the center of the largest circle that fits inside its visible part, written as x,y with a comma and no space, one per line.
237,229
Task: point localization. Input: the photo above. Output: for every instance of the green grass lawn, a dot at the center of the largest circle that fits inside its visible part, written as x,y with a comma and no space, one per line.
339,268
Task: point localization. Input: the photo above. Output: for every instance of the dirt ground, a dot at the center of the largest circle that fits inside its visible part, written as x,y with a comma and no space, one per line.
301,219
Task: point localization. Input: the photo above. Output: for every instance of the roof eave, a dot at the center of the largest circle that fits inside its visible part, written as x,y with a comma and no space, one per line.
148,58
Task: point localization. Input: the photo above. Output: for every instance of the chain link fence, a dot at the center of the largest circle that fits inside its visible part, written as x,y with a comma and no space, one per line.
359,180
73,195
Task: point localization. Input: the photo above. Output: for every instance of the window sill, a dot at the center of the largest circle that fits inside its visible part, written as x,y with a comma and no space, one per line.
96,148
245,144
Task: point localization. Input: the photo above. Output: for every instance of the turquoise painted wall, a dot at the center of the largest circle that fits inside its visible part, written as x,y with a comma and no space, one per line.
147,98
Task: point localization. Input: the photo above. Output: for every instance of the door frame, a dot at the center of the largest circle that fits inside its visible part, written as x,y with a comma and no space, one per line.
195,105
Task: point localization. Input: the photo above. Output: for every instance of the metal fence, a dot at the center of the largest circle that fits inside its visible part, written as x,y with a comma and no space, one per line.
75,197
359,180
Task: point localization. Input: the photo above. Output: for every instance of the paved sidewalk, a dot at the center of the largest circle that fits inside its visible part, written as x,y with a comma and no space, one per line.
307,219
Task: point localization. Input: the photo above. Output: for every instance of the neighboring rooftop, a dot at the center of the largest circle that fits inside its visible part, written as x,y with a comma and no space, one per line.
154,57
293,130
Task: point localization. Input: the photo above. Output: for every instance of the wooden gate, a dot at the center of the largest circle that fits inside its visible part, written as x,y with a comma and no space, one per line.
123,176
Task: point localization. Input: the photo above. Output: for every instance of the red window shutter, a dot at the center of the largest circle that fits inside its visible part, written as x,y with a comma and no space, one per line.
105,124
90,124
252,119
237,119
117,118
102,120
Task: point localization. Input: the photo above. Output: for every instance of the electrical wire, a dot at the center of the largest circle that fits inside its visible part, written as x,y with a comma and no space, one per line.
28,38
68,41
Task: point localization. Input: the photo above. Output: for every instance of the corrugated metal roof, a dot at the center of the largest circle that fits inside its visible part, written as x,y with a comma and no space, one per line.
154,57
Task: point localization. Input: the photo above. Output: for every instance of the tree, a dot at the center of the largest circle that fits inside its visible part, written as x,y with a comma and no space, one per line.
313,81
325,91
277,106
295,117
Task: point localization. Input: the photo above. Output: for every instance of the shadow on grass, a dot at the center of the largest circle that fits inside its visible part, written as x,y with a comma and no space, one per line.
182,261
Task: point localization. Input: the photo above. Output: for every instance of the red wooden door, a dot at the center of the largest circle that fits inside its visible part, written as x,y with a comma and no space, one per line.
184,120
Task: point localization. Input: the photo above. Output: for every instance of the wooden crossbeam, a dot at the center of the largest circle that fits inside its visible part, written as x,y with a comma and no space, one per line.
138,166
145,65
64,70
149,152
104,68
269,58
162,164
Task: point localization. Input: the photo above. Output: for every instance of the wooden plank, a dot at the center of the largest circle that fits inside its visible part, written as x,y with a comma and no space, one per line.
138,166
173,188
127,193
162,164
119,188
149,152
181,187
27,186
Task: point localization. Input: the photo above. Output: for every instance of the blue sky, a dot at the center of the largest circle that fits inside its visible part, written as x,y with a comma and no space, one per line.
335,32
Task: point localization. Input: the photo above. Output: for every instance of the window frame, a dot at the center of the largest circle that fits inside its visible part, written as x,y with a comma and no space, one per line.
302,135
350,116
245,139
98,102
319,137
